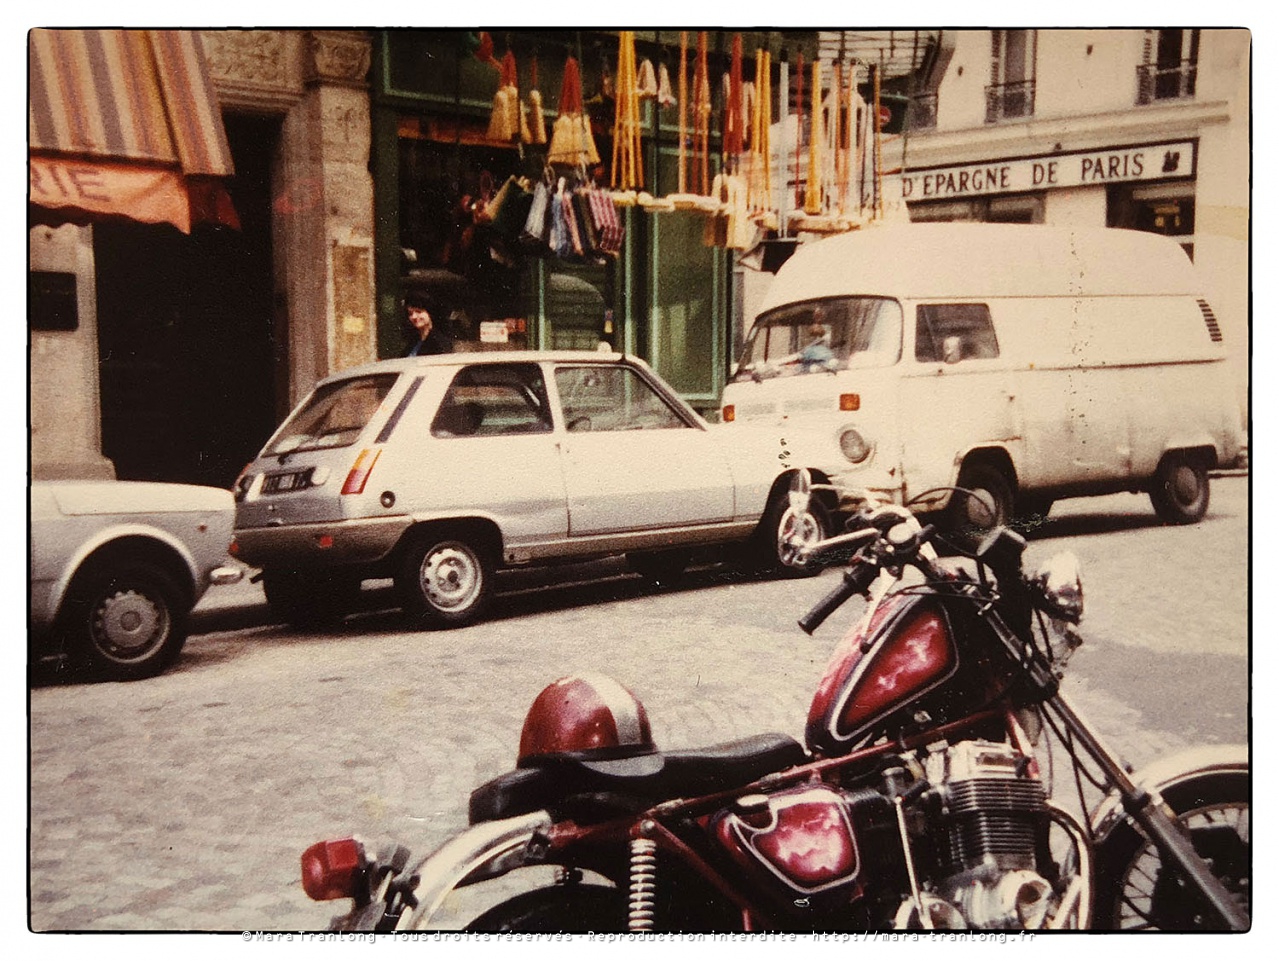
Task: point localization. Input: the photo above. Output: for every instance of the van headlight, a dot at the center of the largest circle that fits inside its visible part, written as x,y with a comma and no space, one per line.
853,446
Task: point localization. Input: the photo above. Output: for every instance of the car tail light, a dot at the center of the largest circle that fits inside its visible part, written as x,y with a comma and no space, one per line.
331,869
729,413
242,482
850,401
359,474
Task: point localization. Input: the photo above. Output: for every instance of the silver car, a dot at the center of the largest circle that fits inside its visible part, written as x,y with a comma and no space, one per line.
117,566
436,471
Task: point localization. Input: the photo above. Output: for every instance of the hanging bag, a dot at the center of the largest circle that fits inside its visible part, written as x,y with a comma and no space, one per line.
537,224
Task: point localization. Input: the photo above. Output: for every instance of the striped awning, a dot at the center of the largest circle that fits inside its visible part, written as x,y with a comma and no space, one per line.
125,123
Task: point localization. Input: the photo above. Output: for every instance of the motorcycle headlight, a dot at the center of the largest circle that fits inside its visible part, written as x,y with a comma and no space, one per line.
853,446
1059,587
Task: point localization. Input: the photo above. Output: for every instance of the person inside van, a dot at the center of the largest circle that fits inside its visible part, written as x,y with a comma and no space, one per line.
817,355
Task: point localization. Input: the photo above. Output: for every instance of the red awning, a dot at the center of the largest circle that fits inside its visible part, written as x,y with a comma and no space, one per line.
125,123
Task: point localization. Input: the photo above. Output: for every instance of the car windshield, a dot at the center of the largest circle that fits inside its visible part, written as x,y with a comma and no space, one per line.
335,415
823,335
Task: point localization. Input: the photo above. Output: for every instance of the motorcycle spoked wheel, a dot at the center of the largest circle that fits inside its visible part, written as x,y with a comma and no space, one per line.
1135,893
562,908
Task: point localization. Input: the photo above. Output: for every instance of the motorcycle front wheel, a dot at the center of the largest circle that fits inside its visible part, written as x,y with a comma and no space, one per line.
1136,892
563,908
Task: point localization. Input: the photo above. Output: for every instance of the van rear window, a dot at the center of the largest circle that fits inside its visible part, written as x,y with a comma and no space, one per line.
823,335
334,416
954,332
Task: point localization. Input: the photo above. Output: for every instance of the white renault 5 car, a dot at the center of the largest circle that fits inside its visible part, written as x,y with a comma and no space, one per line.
437,471
117,566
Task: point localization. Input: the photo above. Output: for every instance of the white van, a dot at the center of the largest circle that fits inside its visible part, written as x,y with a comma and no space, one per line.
1027,363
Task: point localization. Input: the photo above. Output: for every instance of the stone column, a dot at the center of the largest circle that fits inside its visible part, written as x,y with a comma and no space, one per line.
325,237
66,418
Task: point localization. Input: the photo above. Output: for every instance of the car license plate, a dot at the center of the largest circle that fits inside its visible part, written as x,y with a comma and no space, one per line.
283,483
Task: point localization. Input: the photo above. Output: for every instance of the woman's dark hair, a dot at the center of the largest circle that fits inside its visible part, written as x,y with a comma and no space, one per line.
419,299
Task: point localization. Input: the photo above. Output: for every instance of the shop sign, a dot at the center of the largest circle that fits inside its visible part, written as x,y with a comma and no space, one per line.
1085,168
494,332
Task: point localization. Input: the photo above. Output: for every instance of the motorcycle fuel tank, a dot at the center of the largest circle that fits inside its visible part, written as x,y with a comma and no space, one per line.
902,652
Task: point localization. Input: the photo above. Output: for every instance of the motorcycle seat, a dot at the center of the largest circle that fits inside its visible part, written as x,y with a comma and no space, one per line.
588,785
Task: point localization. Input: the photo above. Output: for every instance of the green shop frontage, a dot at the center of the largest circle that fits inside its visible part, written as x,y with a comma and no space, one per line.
456,173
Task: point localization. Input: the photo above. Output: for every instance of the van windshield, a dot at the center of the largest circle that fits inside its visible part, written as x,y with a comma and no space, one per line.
335,415
823,335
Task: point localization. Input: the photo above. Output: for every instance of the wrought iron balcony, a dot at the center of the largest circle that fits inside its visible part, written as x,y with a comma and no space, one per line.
1155,82
1008,101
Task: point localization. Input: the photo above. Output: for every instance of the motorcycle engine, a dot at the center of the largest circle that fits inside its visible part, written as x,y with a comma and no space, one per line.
986,822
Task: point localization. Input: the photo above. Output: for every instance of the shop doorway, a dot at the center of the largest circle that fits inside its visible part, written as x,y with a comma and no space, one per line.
186,343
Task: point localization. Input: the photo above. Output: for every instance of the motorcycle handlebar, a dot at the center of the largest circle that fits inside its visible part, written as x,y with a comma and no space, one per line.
856,580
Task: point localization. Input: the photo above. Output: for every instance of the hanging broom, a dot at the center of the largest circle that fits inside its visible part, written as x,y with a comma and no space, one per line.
571,140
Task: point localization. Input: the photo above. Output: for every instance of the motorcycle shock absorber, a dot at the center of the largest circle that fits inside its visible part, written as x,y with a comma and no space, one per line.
643,895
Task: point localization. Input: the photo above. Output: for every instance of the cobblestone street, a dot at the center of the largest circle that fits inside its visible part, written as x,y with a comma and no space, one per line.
183,802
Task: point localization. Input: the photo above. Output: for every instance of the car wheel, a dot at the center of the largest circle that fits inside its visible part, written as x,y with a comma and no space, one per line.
124,622
1179,491
663,568
784,531
309,599
990,504
445,581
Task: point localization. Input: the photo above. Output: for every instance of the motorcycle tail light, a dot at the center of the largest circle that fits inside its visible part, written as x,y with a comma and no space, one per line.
331,869
360,470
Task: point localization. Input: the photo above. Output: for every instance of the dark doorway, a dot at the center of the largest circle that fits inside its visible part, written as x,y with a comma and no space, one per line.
185,338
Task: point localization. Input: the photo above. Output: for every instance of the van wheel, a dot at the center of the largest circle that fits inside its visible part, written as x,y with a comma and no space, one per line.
444,581
783,531
990,504
1179,491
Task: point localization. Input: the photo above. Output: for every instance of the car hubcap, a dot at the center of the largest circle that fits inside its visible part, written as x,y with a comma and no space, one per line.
451,578
1185,485
797,532
128,623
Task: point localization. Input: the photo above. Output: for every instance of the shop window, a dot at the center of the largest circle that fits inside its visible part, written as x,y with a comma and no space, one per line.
684,334
450,251
1011,94
1170,64
577,303
951,333
1167,209
1016,209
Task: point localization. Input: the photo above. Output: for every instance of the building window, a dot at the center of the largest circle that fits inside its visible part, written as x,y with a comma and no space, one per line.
1167,209
51,301
922,113
1169,65
1011,94
1008,209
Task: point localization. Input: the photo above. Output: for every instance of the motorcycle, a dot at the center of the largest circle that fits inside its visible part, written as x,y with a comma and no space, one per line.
921,800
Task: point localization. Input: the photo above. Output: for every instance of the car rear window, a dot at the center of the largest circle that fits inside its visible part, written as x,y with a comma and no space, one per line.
334,416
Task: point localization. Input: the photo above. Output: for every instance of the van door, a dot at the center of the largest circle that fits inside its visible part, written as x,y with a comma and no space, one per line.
955,396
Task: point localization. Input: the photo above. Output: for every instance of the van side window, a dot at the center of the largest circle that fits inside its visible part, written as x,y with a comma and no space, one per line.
954,332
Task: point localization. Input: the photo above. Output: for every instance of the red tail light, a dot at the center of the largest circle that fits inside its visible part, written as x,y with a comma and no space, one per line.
359,474
331,869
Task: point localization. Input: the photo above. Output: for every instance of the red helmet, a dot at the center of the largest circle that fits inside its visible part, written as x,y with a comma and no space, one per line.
586,712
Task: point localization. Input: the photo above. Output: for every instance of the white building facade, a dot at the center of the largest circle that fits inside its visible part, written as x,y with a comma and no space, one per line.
1140,129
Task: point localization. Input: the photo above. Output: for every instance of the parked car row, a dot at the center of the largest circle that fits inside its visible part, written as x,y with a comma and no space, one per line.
437,471
897,364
